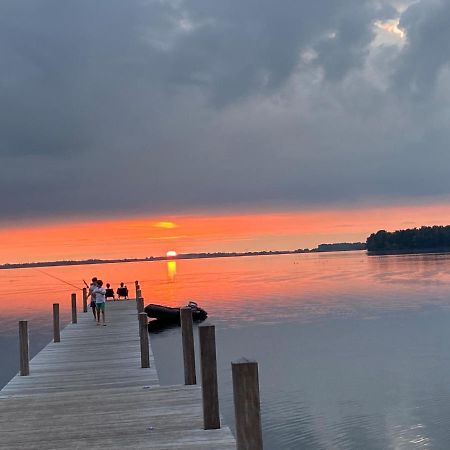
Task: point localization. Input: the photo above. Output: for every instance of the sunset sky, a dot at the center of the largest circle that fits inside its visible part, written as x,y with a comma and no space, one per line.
154,236
247,124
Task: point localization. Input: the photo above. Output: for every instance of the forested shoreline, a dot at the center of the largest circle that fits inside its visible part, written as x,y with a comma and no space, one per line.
423,239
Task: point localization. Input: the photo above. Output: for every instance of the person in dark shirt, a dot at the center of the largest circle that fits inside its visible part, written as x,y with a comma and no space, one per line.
109,292
122,291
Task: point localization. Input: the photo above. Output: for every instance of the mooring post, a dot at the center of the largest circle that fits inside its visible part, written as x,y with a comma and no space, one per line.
74,308
136,287
140,304
140,309
143,333
84,299
23,348
211,417
247,405
187,334
56,333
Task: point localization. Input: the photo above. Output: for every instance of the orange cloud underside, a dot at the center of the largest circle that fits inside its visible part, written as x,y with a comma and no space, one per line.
140,237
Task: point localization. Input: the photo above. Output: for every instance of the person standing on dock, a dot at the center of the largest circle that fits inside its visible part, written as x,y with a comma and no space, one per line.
100,301
91,294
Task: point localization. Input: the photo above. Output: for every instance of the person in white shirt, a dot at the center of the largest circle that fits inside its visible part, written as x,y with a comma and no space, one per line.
100,301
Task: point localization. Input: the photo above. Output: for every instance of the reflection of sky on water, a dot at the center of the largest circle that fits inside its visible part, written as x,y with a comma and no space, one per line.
342,383
353,350
269,288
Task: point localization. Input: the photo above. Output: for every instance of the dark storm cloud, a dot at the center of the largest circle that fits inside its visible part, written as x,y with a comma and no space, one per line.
427,52
113,106
253,46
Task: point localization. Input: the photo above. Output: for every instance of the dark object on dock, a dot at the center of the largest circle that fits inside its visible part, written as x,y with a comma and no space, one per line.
172,315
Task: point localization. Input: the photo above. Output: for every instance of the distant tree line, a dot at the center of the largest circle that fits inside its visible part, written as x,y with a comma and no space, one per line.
340,247
423,238
336,247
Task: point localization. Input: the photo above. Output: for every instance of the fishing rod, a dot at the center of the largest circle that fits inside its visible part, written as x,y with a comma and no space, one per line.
56,278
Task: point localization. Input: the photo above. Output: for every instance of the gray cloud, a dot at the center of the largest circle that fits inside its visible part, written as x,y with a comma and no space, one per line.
150,106
427,25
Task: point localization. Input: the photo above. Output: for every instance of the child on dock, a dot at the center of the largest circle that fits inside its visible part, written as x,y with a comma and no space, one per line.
100,301
91,294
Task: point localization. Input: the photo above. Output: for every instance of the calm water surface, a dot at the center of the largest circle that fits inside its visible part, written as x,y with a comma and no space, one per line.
353,350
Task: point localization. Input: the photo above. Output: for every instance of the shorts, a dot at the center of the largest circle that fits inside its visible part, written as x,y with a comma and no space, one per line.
100,306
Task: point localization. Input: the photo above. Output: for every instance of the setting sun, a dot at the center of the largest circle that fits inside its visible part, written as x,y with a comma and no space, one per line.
171,254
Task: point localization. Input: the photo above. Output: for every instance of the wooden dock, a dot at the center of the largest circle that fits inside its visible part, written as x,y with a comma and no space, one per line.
89,391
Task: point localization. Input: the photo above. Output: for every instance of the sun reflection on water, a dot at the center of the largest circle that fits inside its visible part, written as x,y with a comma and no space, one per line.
171,270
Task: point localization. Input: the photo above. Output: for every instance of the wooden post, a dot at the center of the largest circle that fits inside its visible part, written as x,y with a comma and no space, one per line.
211,418
23,347
74,308
138,293
140,304
247,405
56,334
136,287
143,333
84,299
187,334
140,309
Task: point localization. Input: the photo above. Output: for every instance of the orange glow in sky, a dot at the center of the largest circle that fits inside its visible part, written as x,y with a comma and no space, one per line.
168,225
154,236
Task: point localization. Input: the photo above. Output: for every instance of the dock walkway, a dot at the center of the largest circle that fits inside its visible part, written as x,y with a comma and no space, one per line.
89,391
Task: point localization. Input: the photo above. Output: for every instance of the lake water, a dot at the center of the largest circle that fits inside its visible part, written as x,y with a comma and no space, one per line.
353,350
